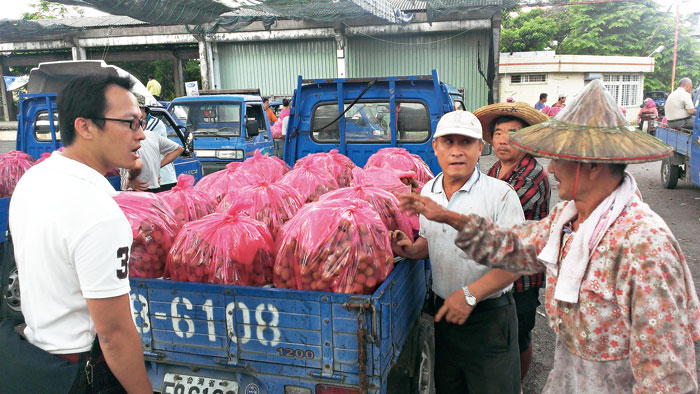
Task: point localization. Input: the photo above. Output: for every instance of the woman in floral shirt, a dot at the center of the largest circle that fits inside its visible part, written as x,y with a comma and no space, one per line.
619,292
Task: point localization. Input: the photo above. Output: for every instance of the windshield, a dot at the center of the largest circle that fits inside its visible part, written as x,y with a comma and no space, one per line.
370,122
209,119
656,95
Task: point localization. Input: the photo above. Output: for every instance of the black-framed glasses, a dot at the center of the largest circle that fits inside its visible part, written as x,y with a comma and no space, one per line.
134,124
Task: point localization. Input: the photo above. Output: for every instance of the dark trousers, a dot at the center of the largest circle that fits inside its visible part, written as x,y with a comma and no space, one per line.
103,382
684,123
526,304
480,356
166,187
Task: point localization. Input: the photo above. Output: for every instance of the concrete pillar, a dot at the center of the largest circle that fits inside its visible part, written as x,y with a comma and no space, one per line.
214,65
495,58
8,109
340,43
78,53
178,76
204,64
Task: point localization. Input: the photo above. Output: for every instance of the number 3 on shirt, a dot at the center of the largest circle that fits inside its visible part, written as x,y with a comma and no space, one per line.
123,254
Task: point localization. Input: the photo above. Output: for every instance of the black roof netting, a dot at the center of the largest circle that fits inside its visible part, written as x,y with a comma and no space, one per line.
207,16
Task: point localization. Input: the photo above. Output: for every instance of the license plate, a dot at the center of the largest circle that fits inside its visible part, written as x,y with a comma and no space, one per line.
186,384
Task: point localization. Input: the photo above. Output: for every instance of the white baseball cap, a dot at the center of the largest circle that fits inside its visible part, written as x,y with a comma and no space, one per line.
460,123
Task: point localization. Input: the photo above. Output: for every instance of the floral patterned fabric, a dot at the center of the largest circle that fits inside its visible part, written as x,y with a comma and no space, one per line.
637,300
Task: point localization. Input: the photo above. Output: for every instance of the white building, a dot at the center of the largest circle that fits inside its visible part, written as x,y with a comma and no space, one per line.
524,75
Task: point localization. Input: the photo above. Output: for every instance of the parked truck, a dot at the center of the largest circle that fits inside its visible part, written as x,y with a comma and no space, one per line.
685,161
226,126
210,338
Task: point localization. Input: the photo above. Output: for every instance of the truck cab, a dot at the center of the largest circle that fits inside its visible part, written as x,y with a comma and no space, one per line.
38,129
224,127
359,116
38,132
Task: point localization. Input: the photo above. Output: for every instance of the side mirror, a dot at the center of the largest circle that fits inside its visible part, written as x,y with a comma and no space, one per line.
190,140
488,149
251,128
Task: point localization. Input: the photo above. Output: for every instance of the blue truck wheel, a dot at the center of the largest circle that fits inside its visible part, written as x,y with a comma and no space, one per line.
413,372
669,174
423,381
10,305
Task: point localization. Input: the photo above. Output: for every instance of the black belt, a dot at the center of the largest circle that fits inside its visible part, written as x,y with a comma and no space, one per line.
678,120
485,305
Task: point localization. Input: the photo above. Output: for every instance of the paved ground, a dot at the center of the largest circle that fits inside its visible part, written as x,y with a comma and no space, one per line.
7,145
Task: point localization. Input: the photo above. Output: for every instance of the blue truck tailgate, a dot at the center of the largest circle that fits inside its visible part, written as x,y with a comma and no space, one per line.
679,140
245,333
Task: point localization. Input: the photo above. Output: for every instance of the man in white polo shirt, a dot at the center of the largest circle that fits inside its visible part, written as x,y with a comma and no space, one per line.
72,254
679,106
479,354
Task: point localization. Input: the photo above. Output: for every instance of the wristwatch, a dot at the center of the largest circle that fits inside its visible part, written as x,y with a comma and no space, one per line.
471,300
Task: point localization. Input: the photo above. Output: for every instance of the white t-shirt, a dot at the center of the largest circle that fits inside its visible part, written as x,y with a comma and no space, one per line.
167,172
481,195
72,242
676,104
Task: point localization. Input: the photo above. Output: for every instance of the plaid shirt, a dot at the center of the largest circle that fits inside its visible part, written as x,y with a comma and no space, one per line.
529,179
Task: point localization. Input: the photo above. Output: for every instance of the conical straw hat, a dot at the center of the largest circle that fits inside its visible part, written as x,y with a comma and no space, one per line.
591,129
523,111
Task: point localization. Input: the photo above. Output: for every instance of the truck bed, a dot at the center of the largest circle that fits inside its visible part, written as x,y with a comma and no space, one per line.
678,139
244,333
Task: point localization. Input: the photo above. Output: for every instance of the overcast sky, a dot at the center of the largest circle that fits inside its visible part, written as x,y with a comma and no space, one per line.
13,9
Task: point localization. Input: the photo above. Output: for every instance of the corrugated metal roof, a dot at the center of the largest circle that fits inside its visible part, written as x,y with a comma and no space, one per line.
408,5
94,21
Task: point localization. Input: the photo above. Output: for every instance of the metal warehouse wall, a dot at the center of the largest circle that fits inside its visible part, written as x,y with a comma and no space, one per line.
273,66
453,54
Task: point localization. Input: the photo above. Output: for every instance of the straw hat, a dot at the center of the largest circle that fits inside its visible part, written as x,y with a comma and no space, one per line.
487,114
141,99
591,130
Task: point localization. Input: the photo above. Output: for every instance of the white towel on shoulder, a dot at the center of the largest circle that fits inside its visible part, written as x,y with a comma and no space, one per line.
586,239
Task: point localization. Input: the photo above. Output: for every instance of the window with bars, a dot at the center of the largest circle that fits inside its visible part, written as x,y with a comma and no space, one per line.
528,78
624,88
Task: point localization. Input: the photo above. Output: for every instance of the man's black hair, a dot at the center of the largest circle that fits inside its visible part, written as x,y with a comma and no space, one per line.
505,119
285,102
265,100
543,95
151,76
84,97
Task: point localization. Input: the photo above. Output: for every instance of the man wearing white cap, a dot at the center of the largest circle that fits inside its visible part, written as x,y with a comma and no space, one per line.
479,354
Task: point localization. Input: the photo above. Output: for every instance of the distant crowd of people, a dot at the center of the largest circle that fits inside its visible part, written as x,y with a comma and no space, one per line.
542,106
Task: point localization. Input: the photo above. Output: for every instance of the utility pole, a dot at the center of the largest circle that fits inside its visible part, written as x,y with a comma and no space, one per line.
675,49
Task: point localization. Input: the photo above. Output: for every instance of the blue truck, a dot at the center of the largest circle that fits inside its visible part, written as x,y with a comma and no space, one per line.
659,97
208,338
685,161
227,126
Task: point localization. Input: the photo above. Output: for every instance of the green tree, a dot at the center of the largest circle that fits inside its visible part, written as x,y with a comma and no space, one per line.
44,9
162,70
622,29
536,30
